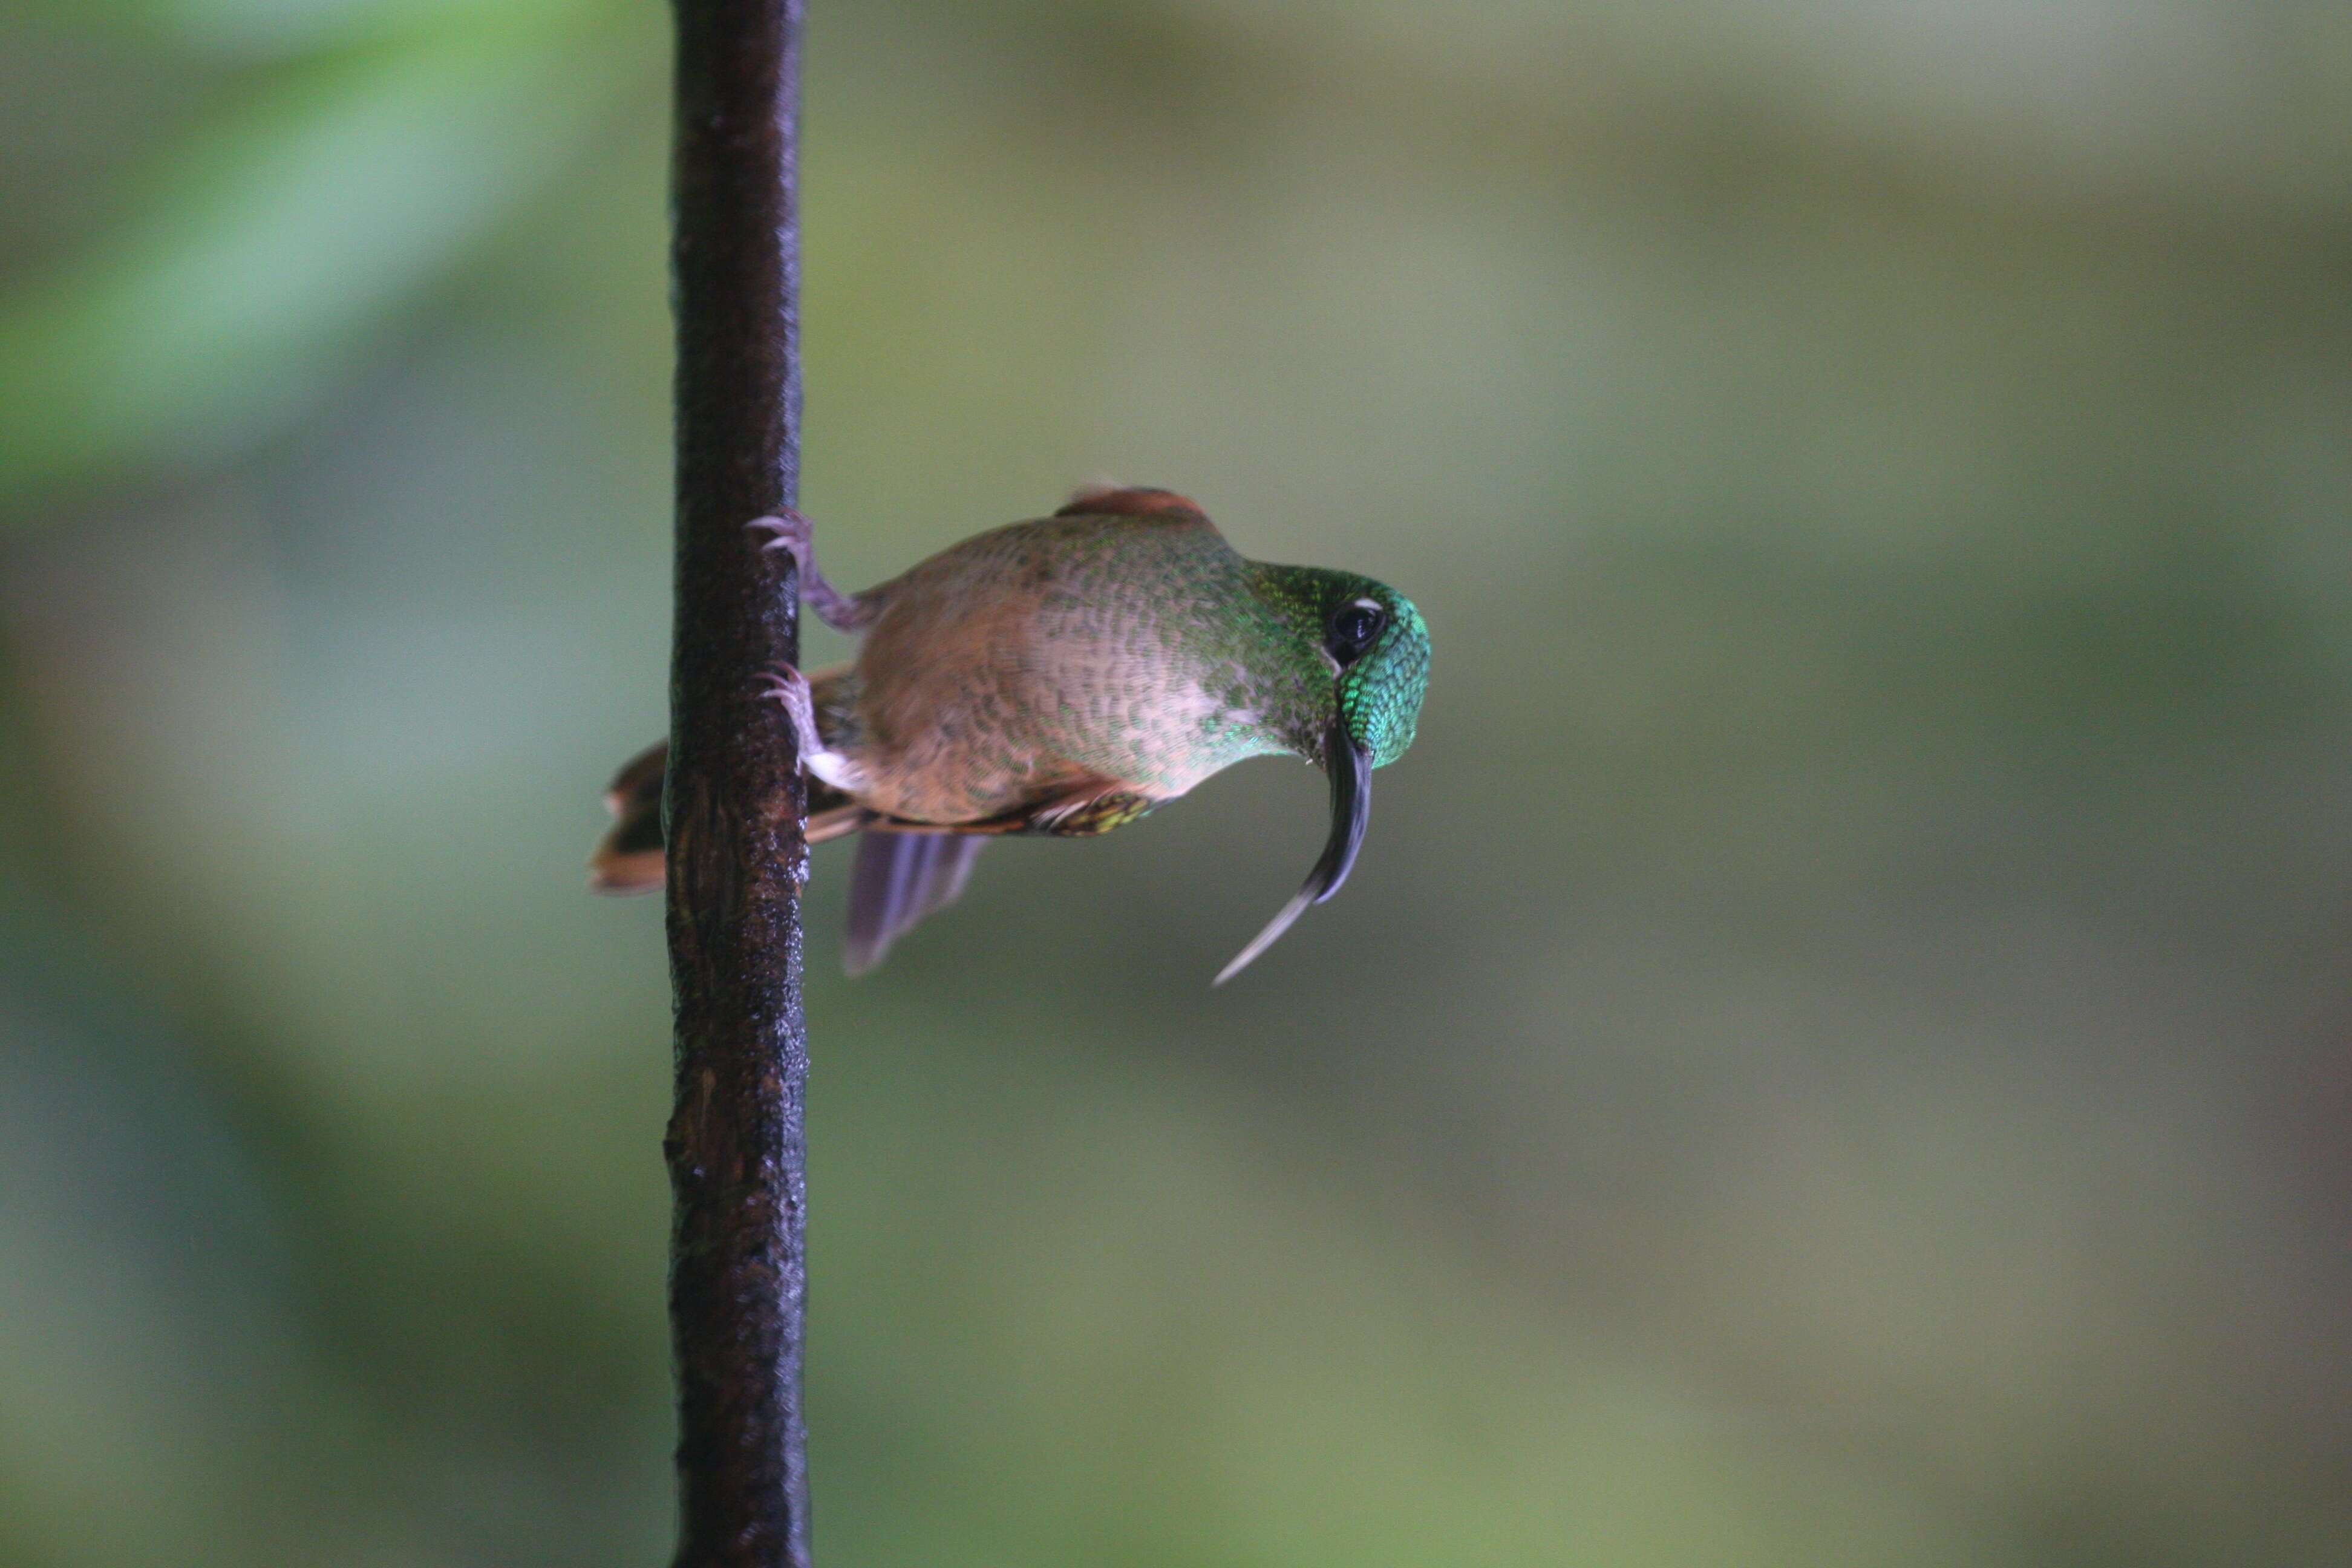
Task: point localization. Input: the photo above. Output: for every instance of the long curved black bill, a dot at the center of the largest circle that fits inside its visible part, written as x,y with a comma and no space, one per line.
1350,769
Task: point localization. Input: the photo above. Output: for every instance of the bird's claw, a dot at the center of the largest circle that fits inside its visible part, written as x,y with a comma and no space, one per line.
788,531
785,684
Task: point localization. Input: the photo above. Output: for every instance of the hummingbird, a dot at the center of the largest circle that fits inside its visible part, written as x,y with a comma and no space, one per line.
1065,676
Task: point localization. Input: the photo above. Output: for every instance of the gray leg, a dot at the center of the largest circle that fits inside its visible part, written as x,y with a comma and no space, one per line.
791,531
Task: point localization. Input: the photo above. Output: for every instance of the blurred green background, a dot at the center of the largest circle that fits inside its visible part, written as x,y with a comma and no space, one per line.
1835,1053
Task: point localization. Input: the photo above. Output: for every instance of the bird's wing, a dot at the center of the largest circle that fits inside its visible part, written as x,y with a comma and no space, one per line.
904,870
899,878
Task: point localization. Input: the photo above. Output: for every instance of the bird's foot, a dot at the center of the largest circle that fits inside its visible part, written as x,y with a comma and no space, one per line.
788,686
788,529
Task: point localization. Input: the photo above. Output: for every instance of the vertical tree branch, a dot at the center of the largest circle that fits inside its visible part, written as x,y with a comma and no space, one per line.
733,802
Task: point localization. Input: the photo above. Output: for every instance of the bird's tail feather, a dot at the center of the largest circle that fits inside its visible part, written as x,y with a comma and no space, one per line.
628,858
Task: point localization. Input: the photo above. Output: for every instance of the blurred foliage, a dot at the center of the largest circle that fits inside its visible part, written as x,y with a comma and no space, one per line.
1836,1051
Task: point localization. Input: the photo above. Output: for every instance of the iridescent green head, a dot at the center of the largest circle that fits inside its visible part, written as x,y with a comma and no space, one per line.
1373,642
1370,640
1383,649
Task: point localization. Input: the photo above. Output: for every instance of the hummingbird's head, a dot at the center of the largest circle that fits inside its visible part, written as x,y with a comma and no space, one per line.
1377,639
1376,646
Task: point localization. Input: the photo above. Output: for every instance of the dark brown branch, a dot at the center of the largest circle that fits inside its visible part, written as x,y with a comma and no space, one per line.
737,859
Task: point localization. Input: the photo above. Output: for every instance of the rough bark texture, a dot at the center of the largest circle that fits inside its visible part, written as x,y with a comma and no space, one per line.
737,859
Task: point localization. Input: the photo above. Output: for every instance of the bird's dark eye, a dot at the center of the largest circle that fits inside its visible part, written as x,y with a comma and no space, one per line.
1353,628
